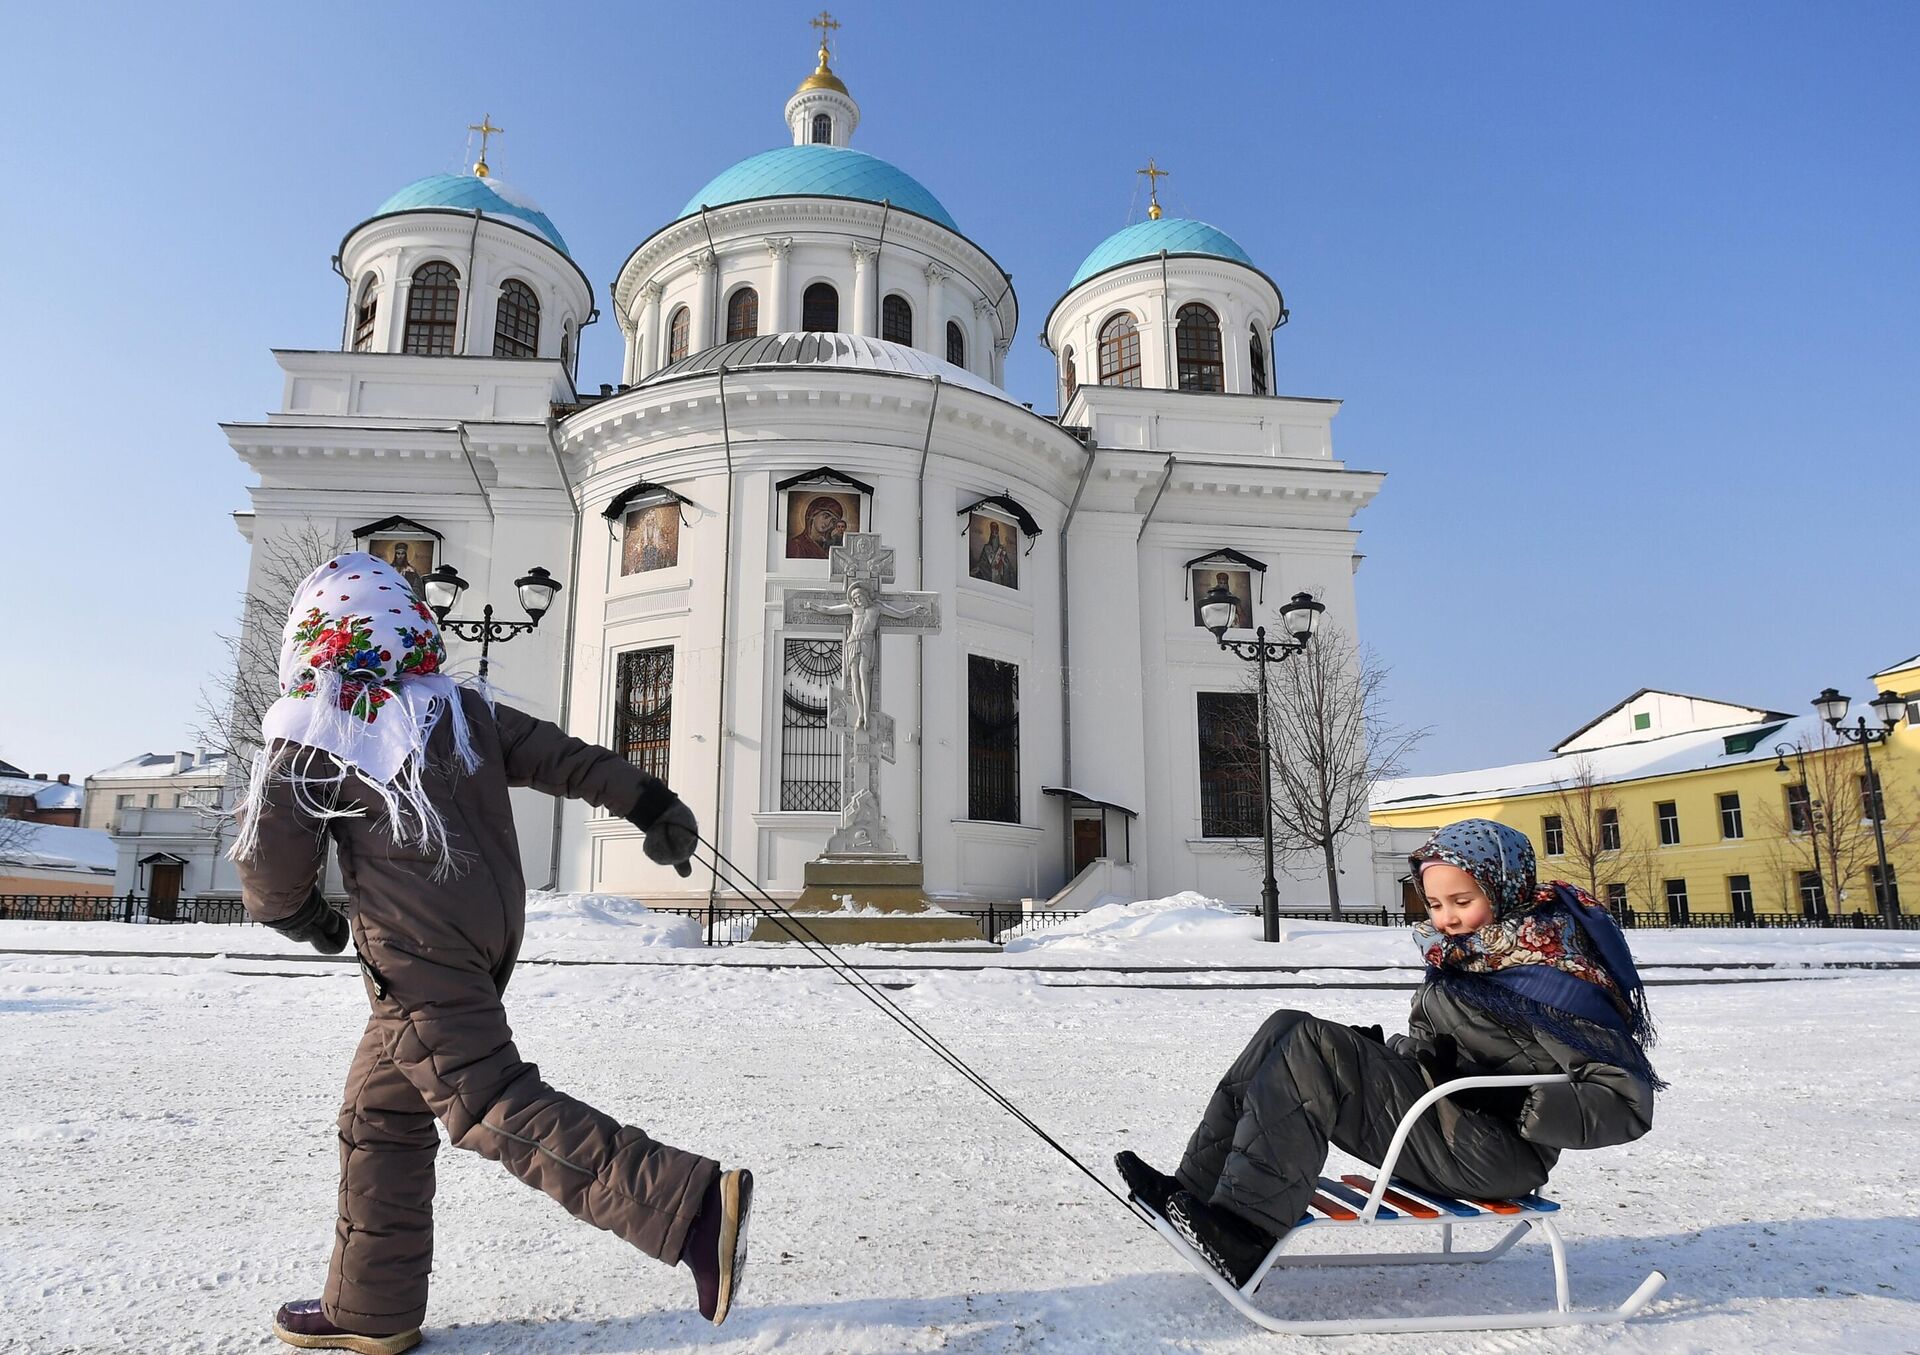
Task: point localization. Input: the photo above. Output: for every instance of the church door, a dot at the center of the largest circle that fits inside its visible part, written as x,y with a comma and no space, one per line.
163,890
1089,837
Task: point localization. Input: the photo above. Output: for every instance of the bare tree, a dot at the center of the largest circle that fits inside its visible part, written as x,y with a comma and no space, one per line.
1331,746
1831,834
235,700
15,834
1590,827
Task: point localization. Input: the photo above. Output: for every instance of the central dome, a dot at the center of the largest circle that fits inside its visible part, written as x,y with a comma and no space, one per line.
820,172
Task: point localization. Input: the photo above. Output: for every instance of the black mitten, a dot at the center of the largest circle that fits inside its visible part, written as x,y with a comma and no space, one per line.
672,831
1442,1063
317,924
1441,1059
1374,1033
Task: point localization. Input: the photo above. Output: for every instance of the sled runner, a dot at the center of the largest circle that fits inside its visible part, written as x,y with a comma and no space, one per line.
1382,1201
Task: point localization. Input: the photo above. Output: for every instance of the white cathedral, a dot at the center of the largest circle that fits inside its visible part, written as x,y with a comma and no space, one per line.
814,347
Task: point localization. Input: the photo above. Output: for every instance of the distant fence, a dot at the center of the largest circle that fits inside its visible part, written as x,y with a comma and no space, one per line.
730,924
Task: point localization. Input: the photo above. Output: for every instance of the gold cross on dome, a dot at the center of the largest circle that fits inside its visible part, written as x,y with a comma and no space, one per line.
486,129
1154,175
827,24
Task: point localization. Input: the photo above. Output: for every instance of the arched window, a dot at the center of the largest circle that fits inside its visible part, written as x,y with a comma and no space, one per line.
820,309
1196,343
743,314
1257,360
896,319
566,347
677,326
822,130
956,344
1069,377
363,314
516,325
1120,352
433,310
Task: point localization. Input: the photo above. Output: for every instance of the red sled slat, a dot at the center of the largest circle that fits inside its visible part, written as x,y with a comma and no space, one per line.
1497,1206
1333,1209
1394,1198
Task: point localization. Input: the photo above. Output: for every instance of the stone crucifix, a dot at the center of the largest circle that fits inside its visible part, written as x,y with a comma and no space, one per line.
861,565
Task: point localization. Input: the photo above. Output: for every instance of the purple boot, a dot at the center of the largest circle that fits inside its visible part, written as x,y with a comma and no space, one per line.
305,1324
716,1246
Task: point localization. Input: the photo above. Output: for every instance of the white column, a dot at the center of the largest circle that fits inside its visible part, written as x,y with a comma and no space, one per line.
646,334
1000,349
864,257
1233,349
700,312
390,328
982,346
630,358
774,310
936,311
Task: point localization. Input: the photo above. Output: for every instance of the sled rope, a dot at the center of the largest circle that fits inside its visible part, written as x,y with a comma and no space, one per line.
823,951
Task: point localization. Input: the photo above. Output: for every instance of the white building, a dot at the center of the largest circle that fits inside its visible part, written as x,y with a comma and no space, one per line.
163,814
815,345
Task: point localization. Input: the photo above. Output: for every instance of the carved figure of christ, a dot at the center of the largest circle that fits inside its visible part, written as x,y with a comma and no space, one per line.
865,610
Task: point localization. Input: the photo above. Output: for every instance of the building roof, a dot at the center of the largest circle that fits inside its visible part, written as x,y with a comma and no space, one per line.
1900,667
46,794
465,192
159,765
845,352
1692,751
52,846
1145,239
820,172
1734,714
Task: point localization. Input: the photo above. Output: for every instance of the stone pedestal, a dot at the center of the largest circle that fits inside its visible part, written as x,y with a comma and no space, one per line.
868,900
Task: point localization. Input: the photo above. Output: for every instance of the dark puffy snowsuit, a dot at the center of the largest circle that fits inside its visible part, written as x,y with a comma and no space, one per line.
437,1045
1302,1082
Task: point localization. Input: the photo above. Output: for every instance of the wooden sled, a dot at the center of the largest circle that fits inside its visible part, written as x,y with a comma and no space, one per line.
1382,1201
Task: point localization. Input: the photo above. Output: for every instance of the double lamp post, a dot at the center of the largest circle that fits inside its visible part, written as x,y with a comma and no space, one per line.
1218,609
443,588
1890,707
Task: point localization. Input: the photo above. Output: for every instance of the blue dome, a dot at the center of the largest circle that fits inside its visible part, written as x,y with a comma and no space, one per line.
1145,239
464,192
819,172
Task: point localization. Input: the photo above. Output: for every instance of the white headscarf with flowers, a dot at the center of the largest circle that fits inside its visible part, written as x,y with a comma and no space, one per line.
362,678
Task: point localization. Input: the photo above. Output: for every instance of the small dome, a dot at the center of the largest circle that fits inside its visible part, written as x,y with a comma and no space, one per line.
1145,240
464,192
820,172
845,352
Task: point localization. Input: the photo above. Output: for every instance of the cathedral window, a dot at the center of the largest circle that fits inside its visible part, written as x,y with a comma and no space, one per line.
822,130
678,326
809,747
1120,352
643,708
820,309
1229,765
1196,341
1068,376
1257,361
363,314
516,325
896,319
743,314
433,310
993,740
566,347
956,344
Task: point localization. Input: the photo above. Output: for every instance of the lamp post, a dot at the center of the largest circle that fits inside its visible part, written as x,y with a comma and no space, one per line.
1297,619
1889,706
443,588
1813,822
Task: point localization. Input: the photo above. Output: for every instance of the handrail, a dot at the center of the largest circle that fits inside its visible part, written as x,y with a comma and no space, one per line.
1419,1108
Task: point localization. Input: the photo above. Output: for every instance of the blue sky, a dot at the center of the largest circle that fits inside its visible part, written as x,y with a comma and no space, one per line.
1623,298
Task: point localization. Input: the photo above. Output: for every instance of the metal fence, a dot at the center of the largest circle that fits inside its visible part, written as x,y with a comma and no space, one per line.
121,908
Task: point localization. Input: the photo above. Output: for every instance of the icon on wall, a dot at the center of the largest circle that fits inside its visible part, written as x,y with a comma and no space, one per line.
817,522
650,538
993,550
1237,582
411,558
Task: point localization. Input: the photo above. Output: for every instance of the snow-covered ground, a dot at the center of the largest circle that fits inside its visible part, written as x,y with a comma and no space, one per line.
169,1153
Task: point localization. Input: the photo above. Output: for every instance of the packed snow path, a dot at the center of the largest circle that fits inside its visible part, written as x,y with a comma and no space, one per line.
170,1167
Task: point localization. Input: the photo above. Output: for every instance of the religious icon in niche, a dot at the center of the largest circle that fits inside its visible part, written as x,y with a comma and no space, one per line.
1237,582
993,548
411,558
818,521
650,538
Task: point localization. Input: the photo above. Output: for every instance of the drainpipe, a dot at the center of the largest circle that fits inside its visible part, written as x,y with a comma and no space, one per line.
573,614
460,428
1166,325
466,311
346,323
1066,644
726,585
1156,501
920,685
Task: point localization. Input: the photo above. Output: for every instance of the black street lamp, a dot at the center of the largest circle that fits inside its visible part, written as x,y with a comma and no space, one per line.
1297,619
443,588
1889,706
1781,750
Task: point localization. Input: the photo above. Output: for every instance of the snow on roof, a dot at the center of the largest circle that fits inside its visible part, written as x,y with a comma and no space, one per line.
1693,751
1900,667
46,794
159,764
58,847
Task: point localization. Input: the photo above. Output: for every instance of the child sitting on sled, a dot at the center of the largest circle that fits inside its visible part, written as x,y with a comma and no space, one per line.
1521,978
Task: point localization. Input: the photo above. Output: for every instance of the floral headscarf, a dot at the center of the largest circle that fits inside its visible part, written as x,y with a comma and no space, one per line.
362,678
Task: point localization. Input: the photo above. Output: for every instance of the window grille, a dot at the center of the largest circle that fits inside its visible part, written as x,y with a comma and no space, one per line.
822,130
516,328
1257,362
679,328
956,344
1068,375
1229,765
743,314
1553,835
993,740
1120,352
820,309
896,319
433,310
363,315
643,709
1196,341
809,750
1731,824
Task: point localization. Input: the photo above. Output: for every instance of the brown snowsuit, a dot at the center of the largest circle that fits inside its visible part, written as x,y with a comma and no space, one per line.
437,955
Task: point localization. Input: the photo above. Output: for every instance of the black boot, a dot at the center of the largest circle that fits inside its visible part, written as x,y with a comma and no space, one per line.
1225,1241
304,1324
716,1246
1149,1187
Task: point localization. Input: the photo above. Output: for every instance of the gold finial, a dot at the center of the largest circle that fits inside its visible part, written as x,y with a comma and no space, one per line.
486,129
1154,175
823,77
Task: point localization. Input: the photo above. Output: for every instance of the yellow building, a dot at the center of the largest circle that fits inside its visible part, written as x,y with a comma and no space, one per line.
1705,809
